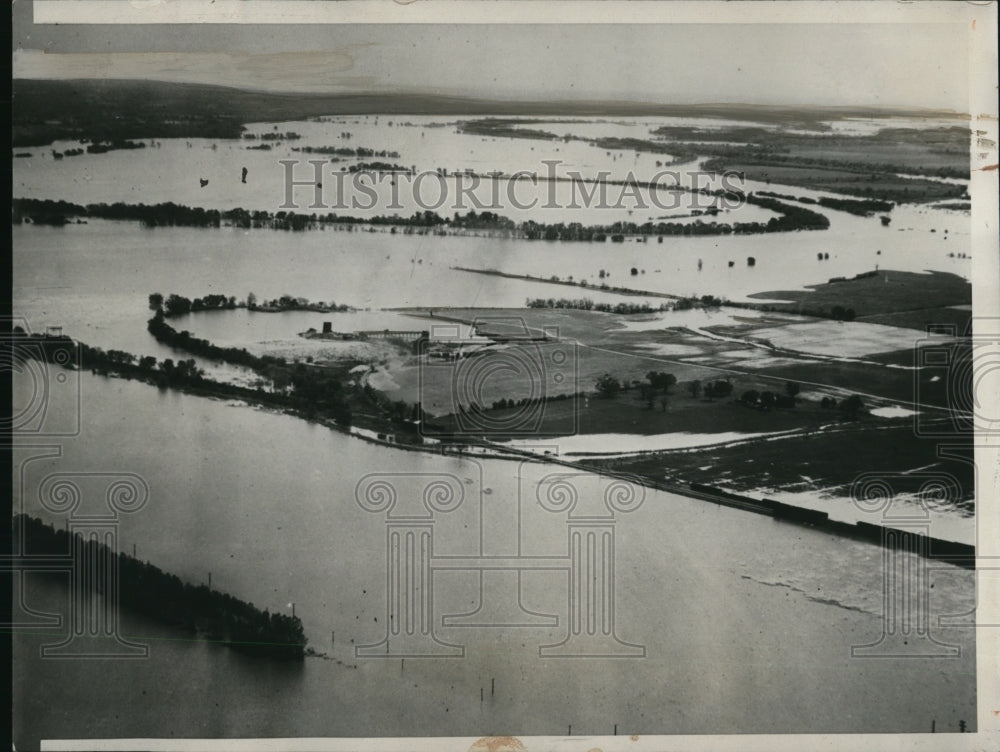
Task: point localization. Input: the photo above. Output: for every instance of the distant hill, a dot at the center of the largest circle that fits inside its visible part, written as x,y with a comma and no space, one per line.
47,110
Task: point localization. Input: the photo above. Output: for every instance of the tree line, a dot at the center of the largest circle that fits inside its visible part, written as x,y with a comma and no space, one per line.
309,391
45,211
148,590
178,305
861,207
346,151
312,390
586,304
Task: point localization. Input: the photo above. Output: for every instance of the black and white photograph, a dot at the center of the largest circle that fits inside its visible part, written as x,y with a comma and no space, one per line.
503,376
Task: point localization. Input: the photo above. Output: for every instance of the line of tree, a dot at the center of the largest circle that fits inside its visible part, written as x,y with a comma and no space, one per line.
148,590
292,303
765,156
659,383
504,128
346,151
504,403
376,167
586,304
184,340
861,207
273,136
311,390
178,305
103,147
44,211
483,221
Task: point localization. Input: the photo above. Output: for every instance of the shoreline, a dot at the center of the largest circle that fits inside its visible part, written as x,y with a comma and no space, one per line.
955,552
939,549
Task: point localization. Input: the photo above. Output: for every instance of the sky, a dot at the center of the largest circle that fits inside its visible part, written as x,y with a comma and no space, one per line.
868,64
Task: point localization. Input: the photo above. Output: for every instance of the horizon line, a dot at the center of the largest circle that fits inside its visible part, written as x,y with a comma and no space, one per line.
500,98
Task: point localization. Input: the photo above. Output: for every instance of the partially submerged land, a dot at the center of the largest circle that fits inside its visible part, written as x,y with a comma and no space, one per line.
894,298
757,401
792,146
788,217
907,165
753,399
48,110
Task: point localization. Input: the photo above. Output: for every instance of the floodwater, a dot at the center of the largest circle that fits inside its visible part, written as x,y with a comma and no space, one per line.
746,624
266,504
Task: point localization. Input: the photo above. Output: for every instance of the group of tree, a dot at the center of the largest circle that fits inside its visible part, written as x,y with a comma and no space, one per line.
376,167
710,390
586,304
505,128
178,305
839,313
717,389
273,136
860,207
767,400
850,407
316,391
184,340
103,147
292,303
657,382
346,151
148,590
312,390
505,403
608,386
660,381
483,221
66,352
